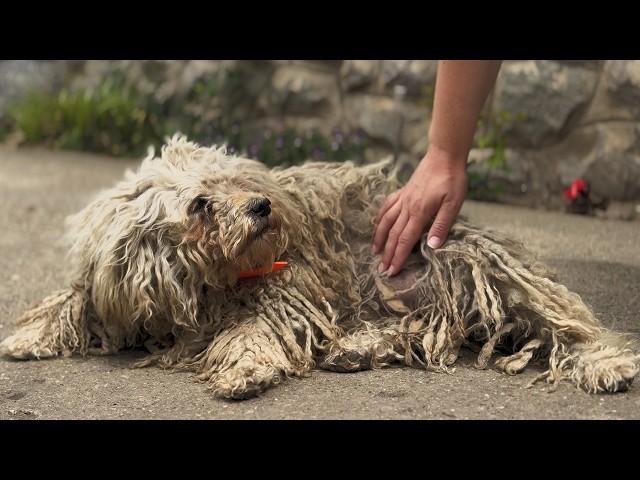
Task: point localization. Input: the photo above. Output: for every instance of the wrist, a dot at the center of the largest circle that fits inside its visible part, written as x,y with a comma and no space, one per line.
439,158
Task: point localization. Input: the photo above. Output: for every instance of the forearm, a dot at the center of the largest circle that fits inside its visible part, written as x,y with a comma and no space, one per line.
461,90
436,190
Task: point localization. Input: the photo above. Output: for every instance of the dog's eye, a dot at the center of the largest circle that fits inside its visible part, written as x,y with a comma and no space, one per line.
198,205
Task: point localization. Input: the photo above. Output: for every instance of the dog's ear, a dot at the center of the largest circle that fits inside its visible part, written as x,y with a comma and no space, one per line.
135,270
150,279
124,252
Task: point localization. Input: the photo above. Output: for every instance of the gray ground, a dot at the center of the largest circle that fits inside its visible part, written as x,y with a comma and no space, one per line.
598,259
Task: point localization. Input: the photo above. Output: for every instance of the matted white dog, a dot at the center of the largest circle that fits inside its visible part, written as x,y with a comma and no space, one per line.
159,260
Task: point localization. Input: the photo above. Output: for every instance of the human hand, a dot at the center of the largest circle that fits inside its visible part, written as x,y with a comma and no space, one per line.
435,192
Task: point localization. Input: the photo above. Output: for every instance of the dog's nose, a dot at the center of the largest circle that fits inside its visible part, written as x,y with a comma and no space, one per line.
260,207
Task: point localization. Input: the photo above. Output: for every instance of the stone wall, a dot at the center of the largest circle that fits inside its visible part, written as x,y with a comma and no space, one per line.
582,120
561,119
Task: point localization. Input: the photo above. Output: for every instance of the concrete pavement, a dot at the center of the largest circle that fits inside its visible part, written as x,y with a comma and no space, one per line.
599,259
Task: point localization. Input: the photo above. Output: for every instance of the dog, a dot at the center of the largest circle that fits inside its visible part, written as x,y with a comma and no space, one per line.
157,262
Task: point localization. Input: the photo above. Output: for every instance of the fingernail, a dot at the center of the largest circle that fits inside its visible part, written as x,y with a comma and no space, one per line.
381,268
391,271
434,242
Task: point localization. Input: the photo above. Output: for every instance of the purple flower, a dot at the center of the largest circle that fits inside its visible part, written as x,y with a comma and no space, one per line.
253,150
279,142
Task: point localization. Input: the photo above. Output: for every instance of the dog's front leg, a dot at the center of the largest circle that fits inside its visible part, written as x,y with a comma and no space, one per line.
57,325
249,357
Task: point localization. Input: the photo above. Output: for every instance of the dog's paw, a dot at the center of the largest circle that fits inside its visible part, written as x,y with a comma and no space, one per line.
237,392
241,384
361,350
22,346
345,361
607,370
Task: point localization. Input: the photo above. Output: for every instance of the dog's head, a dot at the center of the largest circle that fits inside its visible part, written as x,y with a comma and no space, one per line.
190,220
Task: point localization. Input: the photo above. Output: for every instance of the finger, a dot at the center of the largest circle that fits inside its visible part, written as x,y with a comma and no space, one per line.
407,240
382,230
388,203
439,230
392,239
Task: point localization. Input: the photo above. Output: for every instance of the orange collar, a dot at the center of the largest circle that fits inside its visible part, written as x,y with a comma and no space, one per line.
261,272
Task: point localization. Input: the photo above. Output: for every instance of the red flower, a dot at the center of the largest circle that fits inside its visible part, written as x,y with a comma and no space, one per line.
577,188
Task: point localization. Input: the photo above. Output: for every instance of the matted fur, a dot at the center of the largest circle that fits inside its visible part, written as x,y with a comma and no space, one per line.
156,259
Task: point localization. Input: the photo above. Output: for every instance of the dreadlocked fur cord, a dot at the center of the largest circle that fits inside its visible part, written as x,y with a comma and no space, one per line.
482,287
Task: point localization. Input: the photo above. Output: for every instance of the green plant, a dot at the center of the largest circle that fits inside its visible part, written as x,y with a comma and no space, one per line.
5,127
426,96
288,146
112,118
492,130
117,119
204,88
